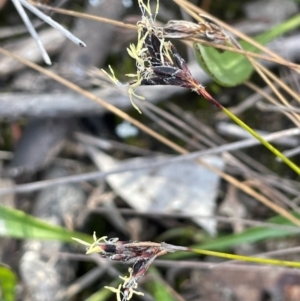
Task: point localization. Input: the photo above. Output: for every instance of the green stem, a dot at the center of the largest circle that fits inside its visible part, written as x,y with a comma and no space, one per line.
248,258
269,146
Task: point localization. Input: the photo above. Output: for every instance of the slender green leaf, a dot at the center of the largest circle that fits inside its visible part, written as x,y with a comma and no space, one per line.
8,281
17,224
229,68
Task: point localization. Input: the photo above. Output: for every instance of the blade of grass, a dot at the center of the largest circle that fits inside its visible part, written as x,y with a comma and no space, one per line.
17,224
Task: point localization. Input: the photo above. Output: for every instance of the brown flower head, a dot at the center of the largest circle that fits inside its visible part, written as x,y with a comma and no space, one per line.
141,254
157,60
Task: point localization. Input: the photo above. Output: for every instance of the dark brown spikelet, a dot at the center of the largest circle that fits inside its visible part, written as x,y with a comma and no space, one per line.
171,69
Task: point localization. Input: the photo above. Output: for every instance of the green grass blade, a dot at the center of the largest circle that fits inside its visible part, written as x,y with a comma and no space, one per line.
17,224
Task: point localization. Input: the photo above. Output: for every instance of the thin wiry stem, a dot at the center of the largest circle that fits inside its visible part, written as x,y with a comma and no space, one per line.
282,252
278,108
270,98
212,139
223,219
265,75
200,265
247,258
165,125
85,16
19,7
134,27
53,23
281,83
31,30
291,152
248,53
180,264
106,145
176,121
23,188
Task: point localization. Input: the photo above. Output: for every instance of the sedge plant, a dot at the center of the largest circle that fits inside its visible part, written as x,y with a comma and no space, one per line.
142,254
159,63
